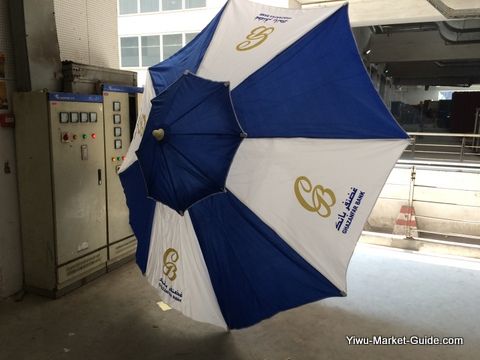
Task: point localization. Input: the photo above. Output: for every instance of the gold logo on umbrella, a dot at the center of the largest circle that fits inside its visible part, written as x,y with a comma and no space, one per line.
170,257
322,199
256,37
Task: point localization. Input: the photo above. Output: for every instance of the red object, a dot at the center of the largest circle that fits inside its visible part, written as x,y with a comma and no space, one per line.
7,120
65,137
94,136
123,157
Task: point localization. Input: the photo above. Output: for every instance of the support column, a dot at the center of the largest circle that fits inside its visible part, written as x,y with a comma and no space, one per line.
37,54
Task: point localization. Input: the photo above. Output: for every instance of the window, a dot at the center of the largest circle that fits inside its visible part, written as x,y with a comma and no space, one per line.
144,51
145,6
171,5
149,5
189,4
150,50
171,44
129,51
127,7
189,37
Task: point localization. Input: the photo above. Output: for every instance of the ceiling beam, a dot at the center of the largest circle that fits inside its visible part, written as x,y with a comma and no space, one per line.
381,12
418,46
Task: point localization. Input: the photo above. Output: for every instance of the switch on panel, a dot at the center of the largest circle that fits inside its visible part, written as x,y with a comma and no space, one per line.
117,119
93,117
117,131
83,117
84,151
116,106
118,144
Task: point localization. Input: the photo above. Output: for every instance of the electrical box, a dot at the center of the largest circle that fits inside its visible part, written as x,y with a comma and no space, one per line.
120,113
75,222
61,174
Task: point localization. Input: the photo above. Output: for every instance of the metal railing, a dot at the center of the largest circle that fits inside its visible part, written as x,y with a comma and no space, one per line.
444,196
443,147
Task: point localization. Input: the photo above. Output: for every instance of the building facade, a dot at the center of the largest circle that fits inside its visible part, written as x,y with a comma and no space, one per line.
150,31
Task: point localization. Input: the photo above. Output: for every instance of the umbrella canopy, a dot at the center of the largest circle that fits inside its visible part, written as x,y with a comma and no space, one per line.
194,136
233,231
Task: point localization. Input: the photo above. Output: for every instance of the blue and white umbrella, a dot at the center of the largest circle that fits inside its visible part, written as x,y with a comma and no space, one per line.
259,152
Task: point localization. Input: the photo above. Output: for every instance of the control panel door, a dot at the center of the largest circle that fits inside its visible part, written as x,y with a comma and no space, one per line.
117,139
77,142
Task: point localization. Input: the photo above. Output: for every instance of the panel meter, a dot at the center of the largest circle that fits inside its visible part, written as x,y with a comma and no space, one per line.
63,118
117,131
116,106
83,117
117,119
93,117
74,117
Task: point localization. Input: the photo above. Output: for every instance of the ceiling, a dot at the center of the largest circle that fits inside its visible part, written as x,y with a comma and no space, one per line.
417,42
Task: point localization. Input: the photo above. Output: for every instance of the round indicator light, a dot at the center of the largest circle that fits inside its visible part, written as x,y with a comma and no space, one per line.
84,136
123,157
74,137
118,158
65,137
94,136
114,159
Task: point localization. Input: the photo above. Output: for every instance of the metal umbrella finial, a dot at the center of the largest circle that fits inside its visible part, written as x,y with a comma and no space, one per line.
158,134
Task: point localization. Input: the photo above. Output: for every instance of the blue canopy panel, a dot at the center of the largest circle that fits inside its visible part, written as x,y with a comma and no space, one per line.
187,58
245,257
316,88
200,136
141,207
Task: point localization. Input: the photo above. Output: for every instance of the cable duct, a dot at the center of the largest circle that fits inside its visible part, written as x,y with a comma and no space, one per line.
451,13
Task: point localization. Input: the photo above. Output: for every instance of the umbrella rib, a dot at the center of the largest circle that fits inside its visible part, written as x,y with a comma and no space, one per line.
172,183
193,108
191,163
207,134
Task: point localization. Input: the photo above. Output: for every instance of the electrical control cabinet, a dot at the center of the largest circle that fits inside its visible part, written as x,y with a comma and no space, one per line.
75,222
61,176
119,109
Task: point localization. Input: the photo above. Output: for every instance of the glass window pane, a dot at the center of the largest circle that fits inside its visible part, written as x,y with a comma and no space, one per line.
171,5
149,5
129,41
150,50
129,57
151,40
171,44
172,39
127,6
194,3
189,37
129,51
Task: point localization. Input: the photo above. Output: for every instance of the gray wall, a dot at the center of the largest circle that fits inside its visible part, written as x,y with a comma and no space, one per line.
10,253
87,31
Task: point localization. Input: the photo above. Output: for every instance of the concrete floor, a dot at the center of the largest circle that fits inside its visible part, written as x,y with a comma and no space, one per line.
390,293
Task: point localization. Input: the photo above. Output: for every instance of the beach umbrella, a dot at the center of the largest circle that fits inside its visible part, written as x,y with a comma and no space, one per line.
260,150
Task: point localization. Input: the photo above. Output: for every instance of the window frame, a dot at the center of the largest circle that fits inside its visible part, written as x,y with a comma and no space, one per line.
138,51
139,42
160,8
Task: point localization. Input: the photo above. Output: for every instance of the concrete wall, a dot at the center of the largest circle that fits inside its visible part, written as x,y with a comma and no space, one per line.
10,250
87,31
